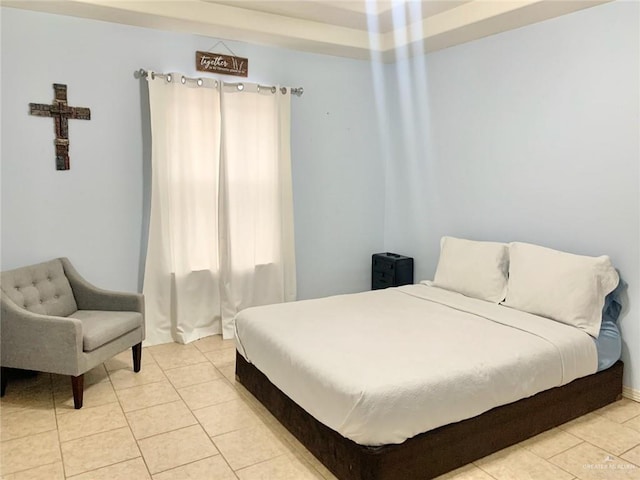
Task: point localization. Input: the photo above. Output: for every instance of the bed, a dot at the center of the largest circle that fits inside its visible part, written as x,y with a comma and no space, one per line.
414,381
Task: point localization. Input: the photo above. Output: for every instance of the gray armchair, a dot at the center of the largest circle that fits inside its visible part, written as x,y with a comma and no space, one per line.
53,320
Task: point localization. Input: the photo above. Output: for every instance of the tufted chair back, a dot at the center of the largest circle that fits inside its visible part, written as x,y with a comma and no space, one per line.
42,288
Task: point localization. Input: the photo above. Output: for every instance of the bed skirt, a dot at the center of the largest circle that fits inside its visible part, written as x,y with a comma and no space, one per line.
443,449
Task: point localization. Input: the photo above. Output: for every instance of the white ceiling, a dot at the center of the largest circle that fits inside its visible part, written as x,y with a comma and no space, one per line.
379,29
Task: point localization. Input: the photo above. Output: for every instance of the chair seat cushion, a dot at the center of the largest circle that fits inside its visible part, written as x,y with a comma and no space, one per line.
99,327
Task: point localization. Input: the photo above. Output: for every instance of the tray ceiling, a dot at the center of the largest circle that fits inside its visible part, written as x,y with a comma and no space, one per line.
378,29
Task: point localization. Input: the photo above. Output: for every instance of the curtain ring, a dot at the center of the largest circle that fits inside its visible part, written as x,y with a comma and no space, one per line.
273,89
258,88
183,80
283,90
200,82
240,87
168,77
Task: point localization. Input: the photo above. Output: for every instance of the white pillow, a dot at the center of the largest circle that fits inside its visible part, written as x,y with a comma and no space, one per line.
562,286
475,269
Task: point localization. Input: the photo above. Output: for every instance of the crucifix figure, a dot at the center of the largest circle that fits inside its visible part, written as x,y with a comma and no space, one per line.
61,114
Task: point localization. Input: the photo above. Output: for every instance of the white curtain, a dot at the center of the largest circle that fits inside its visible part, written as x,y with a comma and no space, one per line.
221,222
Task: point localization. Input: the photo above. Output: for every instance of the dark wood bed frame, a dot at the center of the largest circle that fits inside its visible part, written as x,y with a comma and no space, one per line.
446,448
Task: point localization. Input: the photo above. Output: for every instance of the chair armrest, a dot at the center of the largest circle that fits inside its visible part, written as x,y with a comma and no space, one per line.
90,297
38,342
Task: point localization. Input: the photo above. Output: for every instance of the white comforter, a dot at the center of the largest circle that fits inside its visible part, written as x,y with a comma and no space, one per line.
382,366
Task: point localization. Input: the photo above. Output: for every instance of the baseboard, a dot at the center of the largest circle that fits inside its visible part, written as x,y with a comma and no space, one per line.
630,393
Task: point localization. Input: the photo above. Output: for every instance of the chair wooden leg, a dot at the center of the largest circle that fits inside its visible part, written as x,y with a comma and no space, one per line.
136,350
4,378
77,385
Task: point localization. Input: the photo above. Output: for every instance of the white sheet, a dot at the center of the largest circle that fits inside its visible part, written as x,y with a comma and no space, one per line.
382,366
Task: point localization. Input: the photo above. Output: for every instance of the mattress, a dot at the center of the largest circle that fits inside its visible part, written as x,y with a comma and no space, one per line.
382,366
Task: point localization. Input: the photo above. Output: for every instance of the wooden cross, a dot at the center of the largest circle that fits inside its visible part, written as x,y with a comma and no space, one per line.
61,113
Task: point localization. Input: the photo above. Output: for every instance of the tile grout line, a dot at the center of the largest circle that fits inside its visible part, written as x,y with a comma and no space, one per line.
294,447
205,430
566,449
124,414
55,414
181,399
196,461
257,413
33,468
258,463
627,451
110,430
53,403
558,466
144,461
594,446
483,470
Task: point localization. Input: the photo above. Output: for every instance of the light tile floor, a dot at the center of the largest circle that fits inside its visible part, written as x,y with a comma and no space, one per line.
184,417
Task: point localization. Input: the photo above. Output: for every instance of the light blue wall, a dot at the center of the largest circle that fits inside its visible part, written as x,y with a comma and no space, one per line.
93,213
530,135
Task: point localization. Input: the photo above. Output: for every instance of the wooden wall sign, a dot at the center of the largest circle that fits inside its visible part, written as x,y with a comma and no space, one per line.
219,63
61,114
